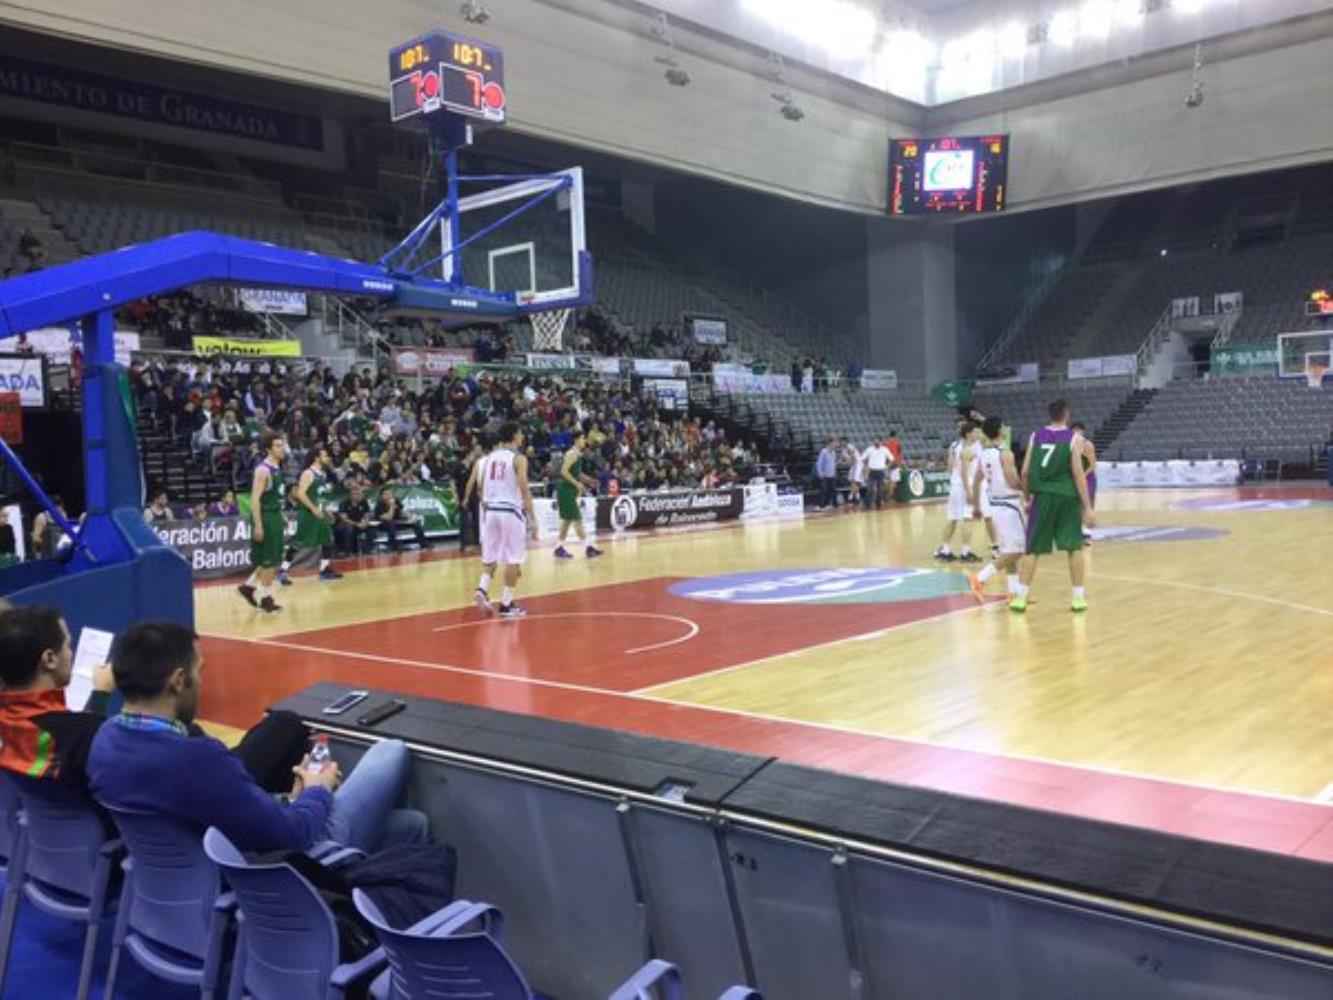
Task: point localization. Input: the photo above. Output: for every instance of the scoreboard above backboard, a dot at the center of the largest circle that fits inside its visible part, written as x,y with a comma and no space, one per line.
959,175
442,73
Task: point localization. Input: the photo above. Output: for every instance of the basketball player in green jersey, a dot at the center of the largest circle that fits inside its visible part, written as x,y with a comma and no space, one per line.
567,492
1054,478
314,524
268,525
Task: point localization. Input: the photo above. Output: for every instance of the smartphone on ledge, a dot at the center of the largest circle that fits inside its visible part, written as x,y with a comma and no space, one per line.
342,704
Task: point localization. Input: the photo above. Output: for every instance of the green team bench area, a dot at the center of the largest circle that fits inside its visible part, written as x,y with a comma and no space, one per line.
605,849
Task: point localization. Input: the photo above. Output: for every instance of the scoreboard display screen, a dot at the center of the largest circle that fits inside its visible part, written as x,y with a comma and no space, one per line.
959,175
441,72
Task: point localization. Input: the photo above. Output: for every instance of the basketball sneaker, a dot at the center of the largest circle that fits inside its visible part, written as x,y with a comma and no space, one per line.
978,588
945,556
483,602
592,552
969,557
284,579
563,553
1018,605
511,611
269,606
1078,605
330,574
248,593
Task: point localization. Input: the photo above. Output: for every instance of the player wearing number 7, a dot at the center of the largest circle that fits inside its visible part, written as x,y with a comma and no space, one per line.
1054,478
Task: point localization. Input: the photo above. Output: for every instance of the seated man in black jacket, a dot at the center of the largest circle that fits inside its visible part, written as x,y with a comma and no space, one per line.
391,516
353,529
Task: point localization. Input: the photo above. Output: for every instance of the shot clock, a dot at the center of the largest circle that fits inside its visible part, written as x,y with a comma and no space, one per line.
441,72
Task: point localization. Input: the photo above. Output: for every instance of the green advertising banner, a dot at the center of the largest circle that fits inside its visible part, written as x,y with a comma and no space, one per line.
953,391
1244,359
435,505
921,484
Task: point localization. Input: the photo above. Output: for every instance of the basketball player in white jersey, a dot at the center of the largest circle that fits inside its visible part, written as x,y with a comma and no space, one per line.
996,467
962,496
507,518
981,488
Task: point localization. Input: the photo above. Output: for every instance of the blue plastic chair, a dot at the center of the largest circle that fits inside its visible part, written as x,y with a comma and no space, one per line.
288,941
656,979
438,958
662,980
68,858
173,917
11,866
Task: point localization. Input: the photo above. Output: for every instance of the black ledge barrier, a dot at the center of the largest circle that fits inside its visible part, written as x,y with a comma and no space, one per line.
802,881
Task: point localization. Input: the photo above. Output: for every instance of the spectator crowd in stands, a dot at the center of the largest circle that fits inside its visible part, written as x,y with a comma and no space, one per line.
181,316
381,433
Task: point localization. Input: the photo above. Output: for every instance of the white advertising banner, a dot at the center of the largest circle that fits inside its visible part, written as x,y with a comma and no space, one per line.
661,368
738,378
24,376
879,378
55,342
709,331
558,361
1115,364
602,366
548,517
1185,307
273,300
1228,302
1177,473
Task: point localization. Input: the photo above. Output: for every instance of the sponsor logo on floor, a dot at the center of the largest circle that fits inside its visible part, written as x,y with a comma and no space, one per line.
865,585
1159,533
1226,504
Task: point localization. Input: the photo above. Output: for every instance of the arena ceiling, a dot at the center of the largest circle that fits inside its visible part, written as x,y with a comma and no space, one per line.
934,52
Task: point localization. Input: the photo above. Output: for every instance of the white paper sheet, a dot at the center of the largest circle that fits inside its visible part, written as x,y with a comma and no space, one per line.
93,650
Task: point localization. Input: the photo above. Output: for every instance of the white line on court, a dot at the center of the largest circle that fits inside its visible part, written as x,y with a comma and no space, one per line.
1216,590
692,627
780,720
859,637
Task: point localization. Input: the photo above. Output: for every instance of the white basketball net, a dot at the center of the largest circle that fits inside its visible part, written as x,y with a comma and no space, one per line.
1315,372
548,329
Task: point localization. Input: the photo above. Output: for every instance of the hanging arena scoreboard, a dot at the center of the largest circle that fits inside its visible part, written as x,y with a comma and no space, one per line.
958,175
441,72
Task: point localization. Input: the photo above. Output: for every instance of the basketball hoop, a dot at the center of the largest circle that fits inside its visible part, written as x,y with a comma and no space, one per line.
1314,374
548,329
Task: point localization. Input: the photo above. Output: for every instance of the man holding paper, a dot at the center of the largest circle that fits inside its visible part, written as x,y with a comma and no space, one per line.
45,736
39,736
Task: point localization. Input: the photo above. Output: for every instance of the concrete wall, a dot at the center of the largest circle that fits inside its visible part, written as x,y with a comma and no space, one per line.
1260,112
913,325
586,80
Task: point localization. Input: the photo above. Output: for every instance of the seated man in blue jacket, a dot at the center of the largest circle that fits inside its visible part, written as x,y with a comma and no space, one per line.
143,759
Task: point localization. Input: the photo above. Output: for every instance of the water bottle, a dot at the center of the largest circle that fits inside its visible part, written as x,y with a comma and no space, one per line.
320,754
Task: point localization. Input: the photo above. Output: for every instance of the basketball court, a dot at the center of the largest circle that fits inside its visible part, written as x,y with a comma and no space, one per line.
1195,697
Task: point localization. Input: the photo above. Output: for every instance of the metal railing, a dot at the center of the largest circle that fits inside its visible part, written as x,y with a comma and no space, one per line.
1156,337
1034,302
1225,326
95,163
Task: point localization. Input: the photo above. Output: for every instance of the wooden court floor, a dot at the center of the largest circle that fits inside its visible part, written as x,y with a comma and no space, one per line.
1196,696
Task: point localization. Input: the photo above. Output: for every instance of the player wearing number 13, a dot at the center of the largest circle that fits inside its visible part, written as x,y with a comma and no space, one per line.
1053,476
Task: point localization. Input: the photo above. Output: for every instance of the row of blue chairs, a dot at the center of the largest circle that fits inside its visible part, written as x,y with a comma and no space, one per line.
178,921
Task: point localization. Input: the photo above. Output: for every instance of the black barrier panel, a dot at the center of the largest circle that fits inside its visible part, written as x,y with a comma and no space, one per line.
644,764
784,886
631,511
1254,889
